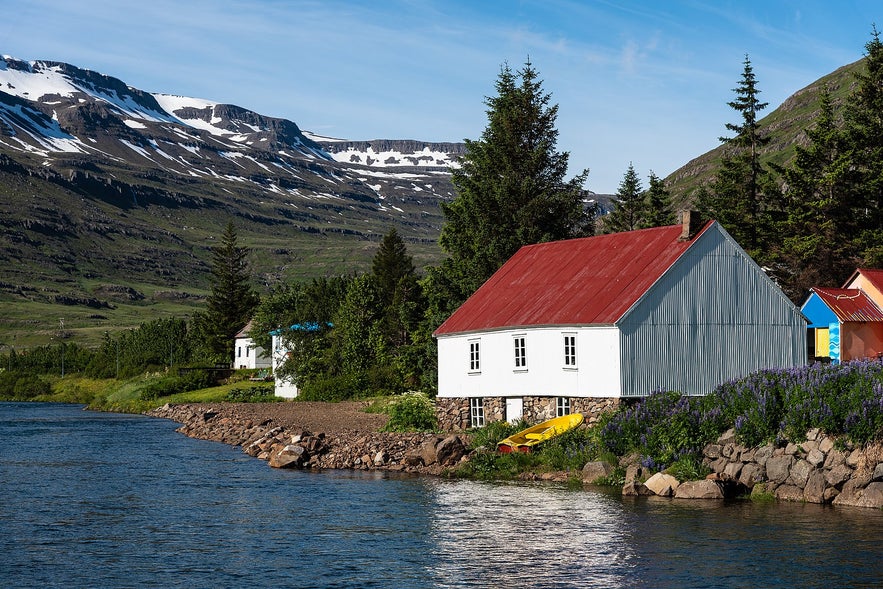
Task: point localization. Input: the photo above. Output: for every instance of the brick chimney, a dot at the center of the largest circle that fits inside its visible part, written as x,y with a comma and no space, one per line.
690,224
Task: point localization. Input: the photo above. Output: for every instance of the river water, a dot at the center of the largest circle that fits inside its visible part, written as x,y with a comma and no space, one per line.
106,500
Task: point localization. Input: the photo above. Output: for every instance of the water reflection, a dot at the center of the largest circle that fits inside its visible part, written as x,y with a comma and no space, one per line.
517,535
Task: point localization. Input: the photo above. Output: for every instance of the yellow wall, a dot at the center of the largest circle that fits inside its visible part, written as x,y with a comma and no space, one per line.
822,343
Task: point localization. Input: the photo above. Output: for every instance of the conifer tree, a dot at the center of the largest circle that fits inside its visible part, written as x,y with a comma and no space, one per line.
863,177
510,190
658,211
400,293
628,208
742,197
232,299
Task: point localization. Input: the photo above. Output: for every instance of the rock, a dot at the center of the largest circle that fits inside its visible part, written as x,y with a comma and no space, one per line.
854,458
762,454
813,434
800,473
712,451
633,473
635,489
380,458
835,458
814,491
450,450
815,457
752,473
789,493
662,484
791,449
719,465
699,490
778,468
593,471
830,494
427,451
826,444
747,454
838,475
732,470
870,496
878,473
729,451
728,437
289,456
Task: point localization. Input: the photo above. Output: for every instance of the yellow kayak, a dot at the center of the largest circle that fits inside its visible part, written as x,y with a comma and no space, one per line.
527,438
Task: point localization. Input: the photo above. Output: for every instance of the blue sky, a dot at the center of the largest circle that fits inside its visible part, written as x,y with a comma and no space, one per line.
636,82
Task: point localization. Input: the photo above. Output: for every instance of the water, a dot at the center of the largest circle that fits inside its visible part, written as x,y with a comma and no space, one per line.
105,500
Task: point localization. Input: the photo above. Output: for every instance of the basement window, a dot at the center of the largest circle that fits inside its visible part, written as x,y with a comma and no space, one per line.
476,412
563,406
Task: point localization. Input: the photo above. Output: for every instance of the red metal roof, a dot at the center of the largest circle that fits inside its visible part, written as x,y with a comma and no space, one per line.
873,276
849,304
592,280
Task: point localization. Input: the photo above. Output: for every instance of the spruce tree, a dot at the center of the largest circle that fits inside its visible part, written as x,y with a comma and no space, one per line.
658,211
628,208
232,299
510,190
400,293
742,197
863,134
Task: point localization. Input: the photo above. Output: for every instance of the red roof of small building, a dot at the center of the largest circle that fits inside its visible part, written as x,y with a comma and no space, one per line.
849,304
873,276
587,281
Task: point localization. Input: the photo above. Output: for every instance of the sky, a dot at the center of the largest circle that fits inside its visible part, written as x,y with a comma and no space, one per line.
636,83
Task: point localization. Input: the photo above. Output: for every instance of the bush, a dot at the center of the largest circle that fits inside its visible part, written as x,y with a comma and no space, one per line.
259,394
411,412
170,385
333,388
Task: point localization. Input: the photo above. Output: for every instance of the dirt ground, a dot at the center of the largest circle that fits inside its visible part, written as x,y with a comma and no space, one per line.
312,416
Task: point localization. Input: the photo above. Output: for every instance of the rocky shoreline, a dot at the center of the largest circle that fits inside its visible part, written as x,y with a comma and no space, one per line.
285,445
817,470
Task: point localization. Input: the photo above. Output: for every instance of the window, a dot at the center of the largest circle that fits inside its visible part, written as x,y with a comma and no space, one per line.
475,356
239,351
476,412
520,352
570,350
563,406
247,351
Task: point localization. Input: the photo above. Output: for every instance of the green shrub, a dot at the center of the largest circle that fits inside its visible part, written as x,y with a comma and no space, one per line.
411,412
493,433
333,388
688,468
259,394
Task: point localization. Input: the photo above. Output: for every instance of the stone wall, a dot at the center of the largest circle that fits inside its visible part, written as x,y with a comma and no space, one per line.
453,413
817,470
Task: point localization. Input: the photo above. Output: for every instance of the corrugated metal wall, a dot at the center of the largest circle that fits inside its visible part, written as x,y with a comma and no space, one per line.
713,317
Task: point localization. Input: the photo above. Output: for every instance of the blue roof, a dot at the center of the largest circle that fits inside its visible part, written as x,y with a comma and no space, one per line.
308,326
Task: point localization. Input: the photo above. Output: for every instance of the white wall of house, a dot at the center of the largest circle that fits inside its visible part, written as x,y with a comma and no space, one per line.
284,387
246,354
595,374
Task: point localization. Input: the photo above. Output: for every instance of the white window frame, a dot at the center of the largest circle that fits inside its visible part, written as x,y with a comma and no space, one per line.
520,348
475,356
562,406
476,412
570,351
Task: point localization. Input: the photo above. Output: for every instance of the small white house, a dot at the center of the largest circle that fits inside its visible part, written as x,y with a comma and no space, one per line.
284,386
247,354
578,325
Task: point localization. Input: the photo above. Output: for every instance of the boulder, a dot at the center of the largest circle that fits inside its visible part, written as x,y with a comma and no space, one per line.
878,473
699,490
800,473
712,451
752,473
732,470
789,493
835,458
728,437
838,475
779,467
815,458
290,456
814,491
427,451
635,489
633,473
593,471
826,444
870,496
762,454
662,484
450,450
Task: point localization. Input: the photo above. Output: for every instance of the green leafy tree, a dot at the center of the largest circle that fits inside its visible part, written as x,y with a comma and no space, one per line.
629,207
742,196
510,188
658,209
232,299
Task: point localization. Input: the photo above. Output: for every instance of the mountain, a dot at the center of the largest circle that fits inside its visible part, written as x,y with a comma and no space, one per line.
112,198
786,126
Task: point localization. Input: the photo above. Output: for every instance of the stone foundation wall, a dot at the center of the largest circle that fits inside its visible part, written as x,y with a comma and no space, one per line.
453,413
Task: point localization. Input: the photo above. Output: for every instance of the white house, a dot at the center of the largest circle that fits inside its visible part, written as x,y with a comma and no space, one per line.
285,386
578,325
247,354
